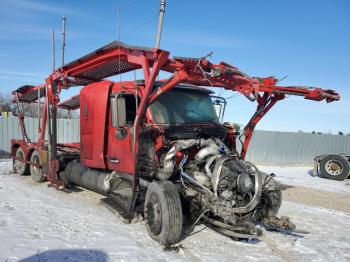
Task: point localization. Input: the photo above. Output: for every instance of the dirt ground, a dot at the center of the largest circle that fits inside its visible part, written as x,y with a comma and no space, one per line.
314,197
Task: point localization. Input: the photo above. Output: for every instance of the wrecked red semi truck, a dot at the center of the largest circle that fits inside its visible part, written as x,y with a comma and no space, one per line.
157,148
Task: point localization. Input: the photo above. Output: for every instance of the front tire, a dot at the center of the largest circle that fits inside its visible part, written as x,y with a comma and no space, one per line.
35,172
18,166
163,212
334,167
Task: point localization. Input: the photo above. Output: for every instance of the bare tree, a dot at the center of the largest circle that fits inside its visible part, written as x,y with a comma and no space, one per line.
5,103
31,109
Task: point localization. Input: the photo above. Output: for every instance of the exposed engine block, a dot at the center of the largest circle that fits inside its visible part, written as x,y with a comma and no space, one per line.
226,185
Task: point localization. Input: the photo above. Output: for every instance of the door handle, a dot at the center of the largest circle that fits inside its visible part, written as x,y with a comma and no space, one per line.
114,160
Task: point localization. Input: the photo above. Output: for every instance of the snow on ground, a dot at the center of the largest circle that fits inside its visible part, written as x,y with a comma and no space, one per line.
302,176
38,223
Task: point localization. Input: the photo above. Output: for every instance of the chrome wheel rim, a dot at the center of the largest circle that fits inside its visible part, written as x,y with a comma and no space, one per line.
334,167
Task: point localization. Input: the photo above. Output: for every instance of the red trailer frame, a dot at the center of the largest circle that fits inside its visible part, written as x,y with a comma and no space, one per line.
117,58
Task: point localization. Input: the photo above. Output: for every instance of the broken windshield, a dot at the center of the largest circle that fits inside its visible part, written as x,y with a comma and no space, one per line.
183,106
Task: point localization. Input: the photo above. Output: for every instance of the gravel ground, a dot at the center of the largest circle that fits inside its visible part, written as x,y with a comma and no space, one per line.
314,197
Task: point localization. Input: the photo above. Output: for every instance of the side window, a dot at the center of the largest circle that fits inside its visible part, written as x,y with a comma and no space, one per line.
130,109
130,103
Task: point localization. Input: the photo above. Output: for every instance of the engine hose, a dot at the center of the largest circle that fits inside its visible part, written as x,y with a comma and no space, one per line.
191,179
169,163
206,152
194,181
197,220
209,163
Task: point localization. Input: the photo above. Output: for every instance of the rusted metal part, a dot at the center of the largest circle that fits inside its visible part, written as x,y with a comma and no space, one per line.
225,226
277,224
233,234
27,162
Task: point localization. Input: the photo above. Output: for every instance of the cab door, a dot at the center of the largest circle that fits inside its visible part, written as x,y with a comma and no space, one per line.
120,138
93,122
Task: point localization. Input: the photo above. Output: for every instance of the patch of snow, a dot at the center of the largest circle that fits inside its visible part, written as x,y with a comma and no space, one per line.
38,223
5,165
302,176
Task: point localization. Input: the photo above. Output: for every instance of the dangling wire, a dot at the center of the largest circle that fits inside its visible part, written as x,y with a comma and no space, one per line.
183,161
232,96
141,25
280,80
198,218
198,65
220,91
109,13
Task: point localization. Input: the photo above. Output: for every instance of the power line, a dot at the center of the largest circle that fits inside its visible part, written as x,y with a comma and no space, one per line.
141,25
127,4
232,96
110,12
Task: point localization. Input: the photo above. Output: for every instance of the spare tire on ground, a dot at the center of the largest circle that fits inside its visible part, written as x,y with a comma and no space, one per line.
334,167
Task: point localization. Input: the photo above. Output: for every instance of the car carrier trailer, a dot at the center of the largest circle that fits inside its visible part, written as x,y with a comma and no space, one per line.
157,148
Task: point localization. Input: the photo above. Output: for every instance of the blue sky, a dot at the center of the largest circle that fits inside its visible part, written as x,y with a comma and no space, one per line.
309,41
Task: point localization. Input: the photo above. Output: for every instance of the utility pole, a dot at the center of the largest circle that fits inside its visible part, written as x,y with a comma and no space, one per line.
63,37
160,22
53,51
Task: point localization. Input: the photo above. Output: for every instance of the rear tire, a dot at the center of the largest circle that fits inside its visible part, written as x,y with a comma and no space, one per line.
20,167
335,167
35,172
163,213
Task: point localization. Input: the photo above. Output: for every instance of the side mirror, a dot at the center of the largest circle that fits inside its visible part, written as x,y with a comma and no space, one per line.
118,112
219,104
218,108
